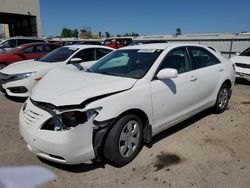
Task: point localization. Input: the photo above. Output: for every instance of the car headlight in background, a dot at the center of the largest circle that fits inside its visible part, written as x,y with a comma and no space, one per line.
22,75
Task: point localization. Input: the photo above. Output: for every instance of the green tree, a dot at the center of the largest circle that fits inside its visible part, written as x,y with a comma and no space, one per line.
67,33
75,32
178,31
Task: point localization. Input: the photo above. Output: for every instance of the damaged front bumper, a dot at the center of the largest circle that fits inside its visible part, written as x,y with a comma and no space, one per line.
69,145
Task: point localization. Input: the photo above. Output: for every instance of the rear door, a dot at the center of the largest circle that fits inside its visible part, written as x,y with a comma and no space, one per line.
208,69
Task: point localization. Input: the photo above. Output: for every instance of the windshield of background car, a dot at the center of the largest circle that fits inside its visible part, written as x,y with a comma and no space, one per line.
246,52
127,63
59,54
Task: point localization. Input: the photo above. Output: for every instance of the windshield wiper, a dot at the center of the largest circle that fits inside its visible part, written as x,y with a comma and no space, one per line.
78,66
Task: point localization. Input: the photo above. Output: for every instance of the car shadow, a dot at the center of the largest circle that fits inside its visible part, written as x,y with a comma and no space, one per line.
16,99
242,81
180,126
78,168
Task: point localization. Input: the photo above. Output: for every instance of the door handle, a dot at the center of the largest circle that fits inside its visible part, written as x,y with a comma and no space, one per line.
193,78
221,69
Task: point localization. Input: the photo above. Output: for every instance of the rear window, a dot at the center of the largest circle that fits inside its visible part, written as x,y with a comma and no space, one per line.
246,52
59,54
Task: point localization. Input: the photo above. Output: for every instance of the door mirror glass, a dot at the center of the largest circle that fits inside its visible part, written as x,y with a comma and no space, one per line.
167,73
75,60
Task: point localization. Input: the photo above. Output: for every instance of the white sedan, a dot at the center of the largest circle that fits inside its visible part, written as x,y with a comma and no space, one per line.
127,97
242,64
19,78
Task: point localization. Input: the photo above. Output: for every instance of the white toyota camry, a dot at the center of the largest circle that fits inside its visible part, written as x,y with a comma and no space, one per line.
242,64
127,97
19,78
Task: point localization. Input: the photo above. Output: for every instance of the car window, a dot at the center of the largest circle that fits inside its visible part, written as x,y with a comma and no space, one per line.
246,52
127,63
59,54
100,52
28,50
48,48
127,42
38,49
176,59
86,54
200,58
107,42
119,41
9,44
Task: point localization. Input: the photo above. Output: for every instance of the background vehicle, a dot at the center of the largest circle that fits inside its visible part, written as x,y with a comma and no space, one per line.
137,42
19,78
117,42
242,64
126,97
17,41
91,42
25,52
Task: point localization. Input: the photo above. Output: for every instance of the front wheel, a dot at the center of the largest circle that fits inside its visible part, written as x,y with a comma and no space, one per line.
124,141
222,99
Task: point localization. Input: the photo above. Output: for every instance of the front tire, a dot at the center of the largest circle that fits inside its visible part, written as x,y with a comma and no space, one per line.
222,99
124,141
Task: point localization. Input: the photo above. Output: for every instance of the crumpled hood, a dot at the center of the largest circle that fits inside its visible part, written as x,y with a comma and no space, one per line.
64,86
25,66
241,59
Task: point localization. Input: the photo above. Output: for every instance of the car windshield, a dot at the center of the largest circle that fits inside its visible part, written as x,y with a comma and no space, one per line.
59,54
127,63
246,52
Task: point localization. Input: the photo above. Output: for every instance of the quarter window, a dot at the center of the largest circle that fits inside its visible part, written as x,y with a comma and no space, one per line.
176,59
200,58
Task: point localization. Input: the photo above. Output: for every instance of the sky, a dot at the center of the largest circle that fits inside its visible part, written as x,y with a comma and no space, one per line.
146,17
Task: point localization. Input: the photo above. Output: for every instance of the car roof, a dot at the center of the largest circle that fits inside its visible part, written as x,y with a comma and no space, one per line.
26,38
38,43
161,46
87,46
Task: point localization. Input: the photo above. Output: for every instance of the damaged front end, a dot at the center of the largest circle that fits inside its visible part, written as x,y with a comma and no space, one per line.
66,118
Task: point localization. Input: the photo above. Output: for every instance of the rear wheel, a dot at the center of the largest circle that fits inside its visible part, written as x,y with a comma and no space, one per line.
124,141
222,99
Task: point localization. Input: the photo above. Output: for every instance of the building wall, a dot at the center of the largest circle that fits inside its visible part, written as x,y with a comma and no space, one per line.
24,7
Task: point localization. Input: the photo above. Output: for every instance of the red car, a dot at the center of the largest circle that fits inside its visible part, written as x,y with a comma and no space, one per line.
25,52
117,42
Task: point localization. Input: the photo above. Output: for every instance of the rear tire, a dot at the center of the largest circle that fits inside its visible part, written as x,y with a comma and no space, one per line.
124,141
222,99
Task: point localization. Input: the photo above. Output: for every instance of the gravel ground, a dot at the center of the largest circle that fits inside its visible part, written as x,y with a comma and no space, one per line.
207,150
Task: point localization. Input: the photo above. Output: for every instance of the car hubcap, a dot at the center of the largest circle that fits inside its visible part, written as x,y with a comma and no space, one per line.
223,98
129,138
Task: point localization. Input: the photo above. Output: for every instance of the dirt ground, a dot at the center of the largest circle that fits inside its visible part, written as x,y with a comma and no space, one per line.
207,150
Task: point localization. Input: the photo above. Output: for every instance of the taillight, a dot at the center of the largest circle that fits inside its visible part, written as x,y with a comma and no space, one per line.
233,66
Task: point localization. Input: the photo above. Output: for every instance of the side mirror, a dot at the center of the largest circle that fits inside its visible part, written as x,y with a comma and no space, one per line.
75,60
237,53
167,74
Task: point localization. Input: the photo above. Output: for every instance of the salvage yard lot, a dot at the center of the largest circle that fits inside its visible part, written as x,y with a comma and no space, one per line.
207,150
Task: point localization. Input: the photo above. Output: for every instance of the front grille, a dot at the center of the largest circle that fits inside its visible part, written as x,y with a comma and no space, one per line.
31,117
247,66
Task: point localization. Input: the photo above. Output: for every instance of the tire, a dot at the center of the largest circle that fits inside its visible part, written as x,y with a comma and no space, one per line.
2,65
124,141
222,99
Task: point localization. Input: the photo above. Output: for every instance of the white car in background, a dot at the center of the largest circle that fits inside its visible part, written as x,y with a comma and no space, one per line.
242,64
130,95
18,79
